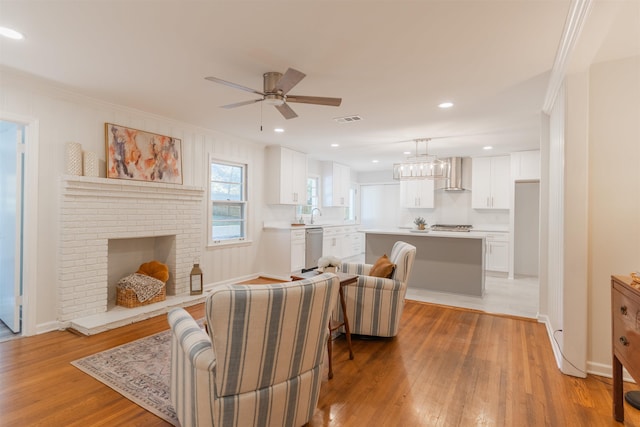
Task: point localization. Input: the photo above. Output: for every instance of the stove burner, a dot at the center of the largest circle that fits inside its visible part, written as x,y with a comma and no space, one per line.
451,227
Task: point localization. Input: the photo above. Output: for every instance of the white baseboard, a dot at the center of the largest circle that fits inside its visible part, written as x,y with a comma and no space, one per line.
593,368
557,354
606,371
49,327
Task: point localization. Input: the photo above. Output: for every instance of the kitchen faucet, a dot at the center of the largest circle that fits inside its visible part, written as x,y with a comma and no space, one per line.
312,211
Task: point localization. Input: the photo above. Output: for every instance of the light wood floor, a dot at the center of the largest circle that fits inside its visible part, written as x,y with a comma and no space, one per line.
447,367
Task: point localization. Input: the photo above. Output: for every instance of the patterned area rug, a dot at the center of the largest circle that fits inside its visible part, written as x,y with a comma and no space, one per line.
139,370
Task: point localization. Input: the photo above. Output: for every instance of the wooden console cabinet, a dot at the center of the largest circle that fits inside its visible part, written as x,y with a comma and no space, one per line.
625,312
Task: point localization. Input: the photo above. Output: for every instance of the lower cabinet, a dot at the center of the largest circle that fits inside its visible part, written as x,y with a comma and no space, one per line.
298,241
497,252
286,251
332,241
341,241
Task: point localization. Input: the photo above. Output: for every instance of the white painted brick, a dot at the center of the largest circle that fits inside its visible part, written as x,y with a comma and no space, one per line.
98,306
95,210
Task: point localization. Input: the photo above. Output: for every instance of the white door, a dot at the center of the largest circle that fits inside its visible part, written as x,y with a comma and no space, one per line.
11,178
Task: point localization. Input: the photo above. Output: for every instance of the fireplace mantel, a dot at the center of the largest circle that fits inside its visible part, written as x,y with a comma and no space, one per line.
79,186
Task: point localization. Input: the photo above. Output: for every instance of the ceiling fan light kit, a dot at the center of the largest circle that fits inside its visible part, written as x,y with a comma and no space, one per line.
421,166
276,86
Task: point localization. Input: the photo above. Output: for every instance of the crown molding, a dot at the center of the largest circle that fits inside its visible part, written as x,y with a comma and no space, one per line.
578,14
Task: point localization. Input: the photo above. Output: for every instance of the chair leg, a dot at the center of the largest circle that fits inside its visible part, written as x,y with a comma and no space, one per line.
329,351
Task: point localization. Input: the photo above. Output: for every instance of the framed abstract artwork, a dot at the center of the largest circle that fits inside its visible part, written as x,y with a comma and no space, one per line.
142,156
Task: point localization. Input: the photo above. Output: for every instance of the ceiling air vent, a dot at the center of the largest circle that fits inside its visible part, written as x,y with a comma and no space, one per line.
348,119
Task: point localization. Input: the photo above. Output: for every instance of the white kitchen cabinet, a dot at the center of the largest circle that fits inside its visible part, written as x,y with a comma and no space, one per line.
490,180
286,252
286,176
336,181
417,193
298,240
332,241
341,241
497,252
353,244
525,165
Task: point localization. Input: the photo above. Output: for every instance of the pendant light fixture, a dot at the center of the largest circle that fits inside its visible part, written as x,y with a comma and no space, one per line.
421,166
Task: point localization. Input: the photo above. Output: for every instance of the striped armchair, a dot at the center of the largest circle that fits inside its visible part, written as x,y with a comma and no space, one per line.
261,364
374,304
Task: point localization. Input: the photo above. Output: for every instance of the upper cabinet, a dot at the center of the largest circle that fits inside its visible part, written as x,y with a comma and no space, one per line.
525,165
490,179
417,193
286,176
336,180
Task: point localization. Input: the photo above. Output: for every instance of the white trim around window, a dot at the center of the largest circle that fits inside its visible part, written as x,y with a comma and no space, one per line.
228,204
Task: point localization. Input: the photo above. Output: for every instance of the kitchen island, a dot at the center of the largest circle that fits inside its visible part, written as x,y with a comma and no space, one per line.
445,261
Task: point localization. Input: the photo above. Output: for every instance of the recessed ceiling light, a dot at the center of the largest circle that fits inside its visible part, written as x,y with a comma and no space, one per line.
407,152
9,33
335,145
488,147
375,161
446,105
279,130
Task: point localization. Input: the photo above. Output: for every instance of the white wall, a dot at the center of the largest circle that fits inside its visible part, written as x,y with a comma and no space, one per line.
65,117
601,211
614,191
379,208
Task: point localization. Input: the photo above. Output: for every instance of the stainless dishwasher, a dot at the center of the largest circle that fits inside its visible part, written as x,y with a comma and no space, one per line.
313,248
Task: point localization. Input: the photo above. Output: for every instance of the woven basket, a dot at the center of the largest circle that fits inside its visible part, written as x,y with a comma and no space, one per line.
127,298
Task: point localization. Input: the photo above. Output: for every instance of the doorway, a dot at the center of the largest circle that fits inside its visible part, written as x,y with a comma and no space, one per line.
12,165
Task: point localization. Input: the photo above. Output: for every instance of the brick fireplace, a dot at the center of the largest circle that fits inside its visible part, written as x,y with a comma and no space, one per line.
104,221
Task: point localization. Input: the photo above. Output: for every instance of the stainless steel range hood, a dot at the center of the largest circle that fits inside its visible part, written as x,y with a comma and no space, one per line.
454,181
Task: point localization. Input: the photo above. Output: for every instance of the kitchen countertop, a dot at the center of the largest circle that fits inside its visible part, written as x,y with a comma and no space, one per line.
429,233
285,226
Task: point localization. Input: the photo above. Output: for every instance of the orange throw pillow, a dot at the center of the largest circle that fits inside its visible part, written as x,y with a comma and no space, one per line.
155,269
382,268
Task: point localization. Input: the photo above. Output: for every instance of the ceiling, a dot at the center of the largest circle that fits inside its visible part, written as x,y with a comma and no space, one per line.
392,62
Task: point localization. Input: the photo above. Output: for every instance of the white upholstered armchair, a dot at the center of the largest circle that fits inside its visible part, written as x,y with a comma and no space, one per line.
261,364
375,304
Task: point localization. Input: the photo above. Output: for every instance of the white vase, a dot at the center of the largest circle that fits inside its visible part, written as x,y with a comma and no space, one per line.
330,269
90,163
73,154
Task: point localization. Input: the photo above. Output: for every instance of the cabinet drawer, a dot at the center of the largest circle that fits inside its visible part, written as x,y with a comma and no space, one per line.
626,329
497,237
329,231
297,234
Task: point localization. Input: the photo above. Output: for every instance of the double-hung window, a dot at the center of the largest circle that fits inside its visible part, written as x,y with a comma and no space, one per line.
228,192
313,196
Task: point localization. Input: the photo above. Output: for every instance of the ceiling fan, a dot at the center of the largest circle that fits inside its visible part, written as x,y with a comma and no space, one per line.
276,87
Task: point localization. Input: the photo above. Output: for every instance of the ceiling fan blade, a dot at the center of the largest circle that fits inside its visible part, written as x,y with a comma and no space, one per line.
319,100
289,79
240,104
233,85
286,111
